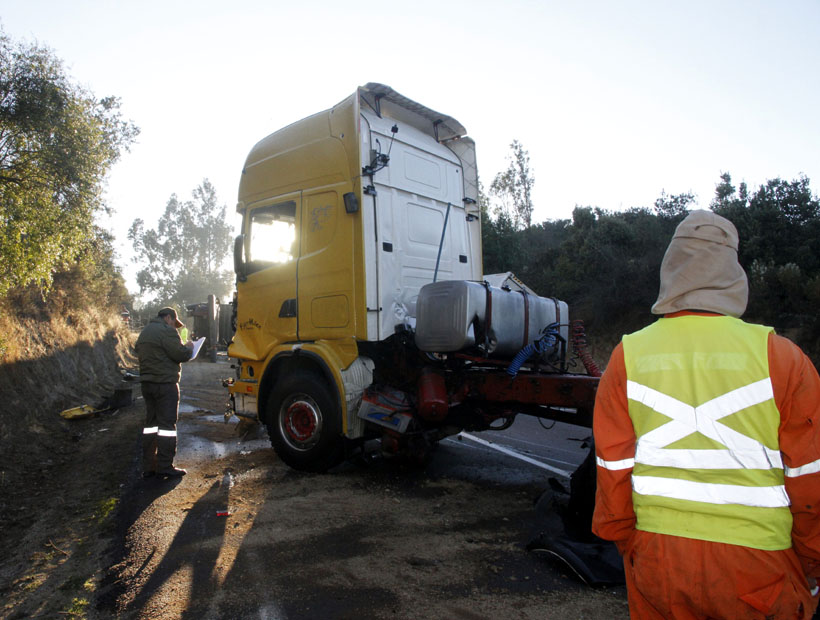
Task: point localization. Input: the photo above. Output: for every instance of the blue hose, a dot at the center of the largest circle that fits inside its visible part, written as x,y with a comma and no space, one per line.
545,342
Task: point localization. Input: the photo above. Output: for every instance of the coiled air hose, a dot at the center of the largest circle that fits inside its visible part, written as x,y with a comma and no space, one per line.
579,344
545,342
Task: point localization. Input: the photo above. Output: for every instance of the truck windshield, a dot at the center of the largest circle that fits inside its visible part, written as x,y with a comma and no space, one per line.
272,234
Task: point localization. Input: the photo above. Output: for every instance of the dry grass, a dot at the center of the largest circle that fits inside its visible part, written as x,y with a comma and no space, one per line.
49,360
52,357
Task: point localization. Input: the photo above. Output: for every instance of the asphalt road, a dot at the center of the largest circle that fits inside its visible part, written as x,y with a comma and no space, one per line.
244,536
558,447
530,450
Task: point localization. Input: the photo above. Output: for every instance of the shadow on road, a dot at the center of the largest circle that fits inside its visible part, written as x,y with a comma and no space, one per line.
186,552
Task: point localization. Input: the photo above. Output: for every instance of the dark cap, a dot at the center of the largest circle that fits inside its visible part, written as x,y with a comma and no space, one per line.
173,313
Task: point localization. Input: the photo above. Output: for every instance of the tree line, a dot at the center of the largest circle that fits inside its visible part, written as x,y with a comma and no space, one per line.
58,142
606,264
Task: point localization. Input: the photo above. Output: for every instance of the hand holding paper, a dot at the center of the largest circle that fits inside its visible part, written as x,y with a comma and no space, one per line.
197,346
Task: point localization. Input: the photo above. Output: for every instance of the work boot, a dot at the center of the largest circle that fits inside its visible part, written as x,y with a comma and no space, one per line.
149,474
173,472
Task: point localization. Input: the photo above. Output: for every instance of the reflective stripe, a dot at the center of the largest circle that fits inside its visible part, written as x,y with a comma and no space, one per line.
763,497
809,468
150,430
708,459
164,433
698,473
615,465
743,451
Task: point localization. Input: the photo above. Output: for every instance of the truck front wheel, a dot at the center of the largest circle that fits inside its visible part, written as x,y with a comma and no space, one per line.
304,423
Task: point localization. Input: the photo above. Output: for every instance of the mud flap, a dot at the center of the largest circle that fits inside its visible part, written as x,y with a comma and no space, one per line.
563,530
595,564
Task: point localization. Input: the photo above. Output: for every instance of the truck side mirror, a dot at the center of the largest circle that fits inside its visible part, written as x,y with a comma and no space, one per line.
239,258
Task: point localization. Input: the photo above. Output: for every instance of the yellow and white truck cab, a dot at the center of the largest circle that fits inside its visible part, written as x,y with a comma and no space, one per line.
361,307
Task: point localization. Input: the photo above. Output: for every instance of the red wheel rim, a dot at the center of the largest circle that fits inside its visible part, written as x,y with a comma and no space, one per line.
300,422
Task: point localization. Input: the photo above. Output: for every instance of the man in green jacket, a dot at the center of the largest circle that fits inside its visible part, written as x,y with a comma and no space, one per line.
160,351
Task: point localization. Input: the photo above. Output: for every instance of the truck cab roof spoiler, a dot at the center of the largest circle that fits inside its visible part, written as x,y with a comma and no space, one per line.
384,100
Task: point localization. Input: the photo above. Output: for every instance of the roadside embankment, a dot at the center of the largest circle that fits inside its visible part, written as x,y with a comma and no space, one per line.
59,479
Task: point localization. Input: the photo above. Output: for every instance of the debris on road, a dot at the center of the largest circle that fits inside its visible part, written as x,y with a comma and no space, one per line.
79,413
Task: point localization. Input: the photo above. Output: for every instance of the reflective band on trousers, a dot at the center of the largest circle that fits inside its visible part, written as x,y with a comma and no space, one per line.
150,430
164,433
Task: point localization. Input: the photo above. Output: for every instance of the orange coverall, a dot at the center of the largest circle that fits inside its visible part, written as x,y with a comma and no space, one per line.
682,578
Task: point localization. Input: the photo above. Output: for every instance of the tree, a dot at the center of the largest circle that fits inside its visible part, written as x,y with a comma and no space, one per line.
499,241
184,255
607,267
513,188
777,224
675,207
779,229
57,143
93,280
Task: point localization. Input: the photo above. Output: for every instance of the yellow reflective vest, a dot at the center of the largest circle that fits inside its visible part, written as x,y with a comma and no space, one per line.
707,459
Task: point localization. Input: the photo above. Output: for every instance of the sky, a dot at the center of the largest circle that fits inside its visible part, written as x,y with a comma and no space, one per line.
616,102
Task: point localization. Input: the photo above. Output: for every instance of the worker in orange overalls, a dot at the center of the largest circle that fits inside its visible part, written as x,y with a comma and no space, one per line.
707,438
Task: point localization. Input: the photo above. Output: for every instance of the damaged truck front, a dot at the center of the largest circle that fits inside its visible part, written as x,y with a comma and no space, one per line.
362,311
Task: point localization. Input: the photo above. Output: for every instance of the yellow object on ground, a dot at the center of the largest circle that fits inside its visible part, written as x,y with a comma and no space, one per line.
77,413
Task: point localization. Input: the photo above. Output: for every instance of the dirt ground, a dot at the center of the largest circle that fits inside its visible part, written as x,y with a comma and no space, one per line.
244,536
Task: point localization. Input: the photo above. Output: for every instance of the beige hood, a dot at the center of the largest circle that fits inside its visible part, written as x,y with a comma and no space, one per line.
700,270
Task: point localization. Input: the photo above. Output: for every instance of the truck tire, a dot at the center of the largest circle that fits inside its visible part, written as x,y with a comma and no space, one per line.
304,423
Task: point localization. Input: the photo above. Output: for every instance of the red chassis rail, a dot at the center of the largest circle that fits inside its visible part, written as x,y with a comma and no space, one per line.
562,397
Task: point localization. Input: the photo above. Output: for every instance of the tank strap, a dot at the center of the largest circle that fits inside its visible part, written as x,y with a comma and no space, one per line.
488,317
526,318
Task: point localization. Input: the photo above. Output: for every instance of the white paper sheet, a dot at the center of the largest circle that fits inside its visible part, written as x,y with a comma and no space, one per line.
197,346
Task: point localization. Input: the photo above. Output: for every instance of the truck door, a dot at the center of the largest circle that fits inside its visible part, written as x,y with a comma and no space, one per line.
267,314
326,265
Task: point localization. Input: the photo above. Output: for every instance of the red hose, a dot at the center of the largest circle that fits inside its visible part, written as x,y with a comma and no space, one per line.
579,345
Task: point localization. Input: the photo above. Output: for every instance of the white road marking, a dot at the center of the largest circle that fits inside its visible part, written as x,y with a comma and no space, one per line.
514,454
